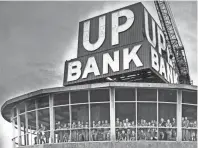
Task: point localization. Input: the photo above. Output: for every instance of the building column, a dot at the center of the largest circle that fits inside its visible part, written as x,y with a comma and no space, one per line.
197,119
179,115
136,129
157,112
37,120
89,115
13,129
112,114
18,126
26,126
70,117
52,117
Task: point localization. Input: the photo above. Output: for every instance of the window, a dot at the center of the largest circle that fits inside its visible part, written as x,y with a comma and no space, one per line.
23,129
146,94
167,95
62,124
167,122
33,135
61,99
79,97
100,122
15,112
189,97
14,120
30,105
189,115
80,123
125,121
189,122
100,95
21,107
147,121
44,125
43,101
124,94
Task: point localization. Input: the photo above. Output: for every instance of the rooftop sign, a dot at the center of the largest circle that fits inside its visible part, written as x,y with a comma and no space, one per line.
123,41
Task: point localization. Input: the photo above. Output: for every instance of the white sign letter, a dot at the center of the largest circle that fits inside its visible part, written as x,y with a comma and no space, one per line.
175,77
108,61
74,70
116,29
154,59
161,40
169,73
170,61
162,70
147,30
91,67
127,57
86,31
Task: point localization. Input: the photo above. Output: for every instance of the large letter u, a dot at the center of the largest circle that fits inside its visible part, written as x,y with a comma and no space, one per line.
101,35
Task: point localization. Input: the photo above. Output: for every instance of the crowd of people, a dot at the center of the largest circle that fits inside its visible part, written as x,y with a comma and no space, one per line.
189,130
99,131
125,131
42,135
146,130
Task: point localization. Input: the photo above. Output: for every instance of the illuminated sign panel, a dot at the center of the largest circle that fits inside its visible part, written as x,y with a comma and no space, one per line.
123,41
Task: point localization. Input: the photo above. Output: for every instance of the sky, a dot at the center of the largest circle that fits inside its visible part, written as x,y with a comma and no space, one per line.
37,37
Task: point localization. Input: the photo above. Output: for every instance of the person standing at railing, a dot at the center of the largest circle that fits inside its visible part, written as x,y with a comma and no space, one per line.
102,122
60,133
78,131
40,132
106,129
117,122
38,136
183,130
195,127
128,135
117,134
149,135
132,124
93,124
174,135
162,131
74,132
133,135
168,130
42,129
86,131
128,124
142,135
186,125
93,135
174,122
80,135
155,137
123,136
82,132
66,132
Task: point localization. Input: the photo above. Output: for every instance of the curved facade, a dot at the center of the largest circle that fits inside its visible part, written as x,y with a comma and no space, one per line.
117,113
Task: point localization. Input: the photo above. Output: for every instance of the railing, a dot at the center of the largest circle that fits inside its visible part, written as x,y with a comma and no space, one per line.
131,133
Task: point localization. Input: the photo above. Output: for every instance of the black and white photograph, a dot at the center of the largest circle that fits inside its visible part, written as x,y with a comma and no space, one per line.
90,74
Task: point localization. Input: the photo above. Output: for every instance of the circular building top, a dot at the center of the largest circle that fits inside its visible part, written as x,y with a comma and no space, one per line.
8,105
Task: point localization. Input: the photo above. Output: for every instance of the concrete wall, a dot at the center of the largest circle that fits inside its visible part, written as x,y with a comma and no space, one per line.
139,144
